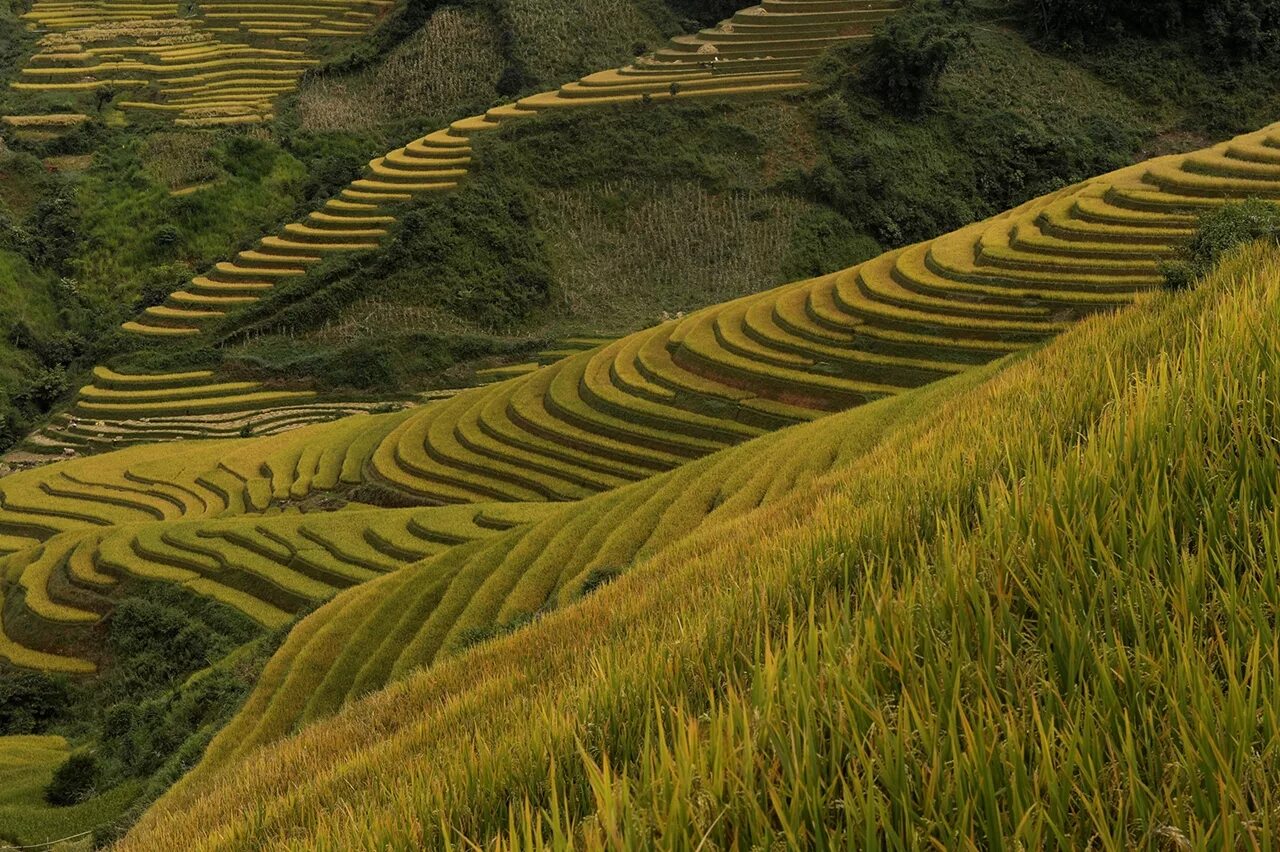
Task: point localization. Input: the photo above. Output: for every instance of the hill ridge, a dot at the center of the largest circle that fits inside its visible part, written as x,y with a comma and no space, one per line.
738,57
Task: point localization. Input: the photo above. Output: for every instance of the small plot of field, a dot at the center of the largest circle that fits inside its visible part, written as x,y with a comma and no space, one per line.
375,315
180,159
68,162
27,764
556,40
451,60
628,252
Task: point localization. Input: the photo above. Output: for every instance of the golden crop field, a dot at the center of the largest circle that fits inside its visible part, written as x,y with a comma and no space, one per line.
967,545
797,671
595,422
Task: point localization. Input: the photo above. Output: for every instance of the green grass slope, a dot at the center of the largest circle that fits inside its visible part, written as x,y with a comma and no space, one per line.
27,764
1035,613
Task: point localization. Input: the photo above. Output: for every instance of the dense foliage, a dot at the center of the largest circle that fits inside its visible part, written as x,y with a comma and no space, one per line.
31,701
908,55
1217,233
182,665
75,780
1236,30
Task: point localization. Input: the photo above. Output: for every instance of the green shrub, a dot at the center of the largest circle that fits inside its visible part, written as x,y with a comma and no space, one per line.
1217,233
703,13
910,52
139,736
822,241
42,388
472,636
55,226
598,578
31,701
74,781
154,645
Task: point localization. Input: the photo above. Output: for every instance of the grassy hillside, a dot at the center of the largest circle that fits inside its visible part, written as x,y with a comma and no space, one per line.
1034,613
241,538
793,187
611,246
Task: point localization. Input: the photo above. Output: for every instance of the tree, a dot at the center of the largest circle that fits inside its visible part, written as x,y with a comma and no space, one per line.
909,54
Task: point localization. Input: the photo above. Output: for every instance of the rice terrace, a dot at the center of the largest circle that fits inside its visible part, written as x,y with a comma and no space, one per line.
639,424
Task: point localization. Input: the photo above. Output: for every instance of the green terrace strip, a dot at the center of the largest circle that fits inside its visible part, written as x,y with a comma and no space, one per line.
603,418
225,66
1026,607
118,410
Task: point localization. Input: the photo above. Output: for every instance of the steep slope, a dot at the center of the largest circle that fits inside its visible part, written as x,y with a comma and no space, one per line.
760,50
1044,592
920,314
616,414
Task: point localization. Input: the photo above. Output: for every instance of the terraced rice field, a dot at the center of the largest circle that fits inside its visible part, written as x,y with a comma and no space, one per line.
607,419
118,410
224,65
1049,578
359,218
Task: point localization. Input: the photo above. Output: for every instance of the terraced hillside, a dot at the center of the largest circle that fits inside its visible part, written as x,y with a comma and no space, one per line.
761,50
1045,585
225,64
120,409
611,416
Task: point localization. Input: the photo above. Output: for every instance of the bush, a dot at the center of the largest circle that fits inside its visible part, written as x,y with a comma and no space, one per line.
823,241
138,736
74,781
1247,29
31,701
909,54
154,645
55,226
1218,233
42,388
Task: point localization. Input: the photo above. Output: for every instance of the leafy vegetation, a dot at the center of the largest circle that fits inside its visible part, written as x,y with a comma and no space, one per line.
1217,233
30,701
1233,30
75,781
183,667
906,60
